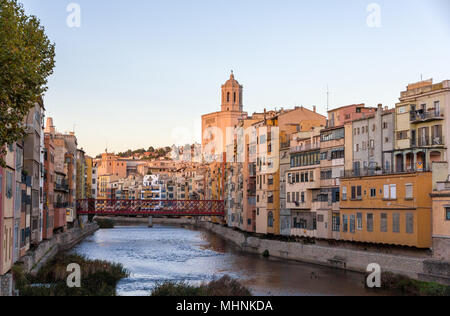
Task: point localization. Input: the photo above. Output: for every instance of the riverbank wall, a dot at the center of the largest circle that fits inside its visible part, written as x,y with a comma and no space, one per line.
417,268
36,258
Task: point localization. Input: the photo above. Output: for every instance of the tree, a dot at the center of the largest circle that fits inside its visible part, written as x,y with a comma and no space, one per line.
27,59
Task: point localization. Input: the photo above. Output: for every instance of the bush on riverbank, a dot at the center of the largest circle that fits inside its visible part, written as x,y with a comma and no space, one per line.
226,286
406,286
104,223
98,278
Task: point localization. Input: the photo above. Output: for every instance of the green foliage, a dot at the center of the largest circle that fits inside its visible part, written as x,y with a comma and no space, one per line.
410,287
98,278
226,286
26,61
266,254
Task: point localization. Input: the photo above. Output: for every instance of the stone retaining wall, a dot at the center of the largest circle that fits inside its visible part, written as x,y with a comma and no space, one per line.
46,250
349,259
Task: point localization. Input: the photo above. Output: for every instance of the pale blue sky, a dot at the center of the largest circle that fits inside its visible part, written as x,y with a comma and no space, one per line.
139,72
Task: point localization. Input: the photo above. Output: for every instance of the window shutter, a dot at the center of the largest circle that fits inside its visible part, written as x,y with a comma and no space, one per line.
393,191
386,192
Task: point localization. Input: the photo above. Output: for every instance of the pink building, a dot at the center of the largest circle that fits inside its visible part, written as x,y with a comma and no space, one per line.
347,114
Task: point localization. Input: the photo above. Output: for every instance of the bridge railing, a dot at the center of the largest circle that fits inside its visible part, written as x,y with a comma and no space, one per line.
151,207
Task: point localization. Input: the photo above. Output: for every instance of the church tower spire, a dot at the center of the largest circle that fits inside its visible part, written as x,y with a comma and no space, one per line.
232,95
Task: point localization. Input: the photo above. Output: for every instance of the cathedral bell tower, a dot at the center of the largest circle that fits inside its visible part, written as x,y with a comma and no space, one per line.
232,95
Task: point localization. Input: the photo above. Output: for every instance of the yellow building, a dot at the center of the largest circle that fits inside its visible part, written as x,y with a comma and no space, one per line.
105,190
392,209
89,184
441,221
420,126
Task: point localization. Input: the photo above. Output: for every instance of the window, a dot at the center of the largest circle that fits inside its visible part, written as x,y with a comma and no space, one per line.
345,223
410,223
9,185
336,226
352,224
357,193
393,191
370,222
384,223
270,219
447,213
409,191
396,222
402,135
373,193
289,197
359,221
344,193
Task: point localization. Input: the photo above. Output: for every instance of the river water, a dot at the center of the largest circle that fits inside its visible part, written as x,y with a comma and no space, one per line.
162,253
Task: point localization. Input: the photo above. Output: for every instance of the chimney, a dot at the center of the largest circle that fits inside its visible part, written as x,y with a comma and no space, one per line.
49,127
315,109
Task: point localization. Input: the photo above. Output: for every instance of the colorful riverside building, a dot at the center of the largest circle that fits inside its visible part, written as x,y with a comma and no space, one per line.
270,134
390,208
420,128
49,186
7,214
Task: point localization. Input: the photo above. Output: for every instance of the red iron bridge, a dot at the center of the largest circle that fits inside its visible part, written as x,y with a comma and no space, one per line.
150,207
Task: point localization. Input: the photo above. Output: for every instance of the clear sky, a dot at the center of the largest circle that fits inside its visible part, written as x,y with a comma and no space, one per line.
140,73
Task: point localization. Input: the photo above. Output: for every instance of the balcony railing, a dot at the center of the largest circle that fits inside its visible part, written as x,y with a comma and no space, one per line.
61,186
417,116
305,147
423,141
375,172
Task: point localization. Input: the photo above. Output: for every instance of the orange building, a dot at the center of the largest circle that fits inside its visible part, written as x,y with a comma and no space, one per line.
110,164
392,209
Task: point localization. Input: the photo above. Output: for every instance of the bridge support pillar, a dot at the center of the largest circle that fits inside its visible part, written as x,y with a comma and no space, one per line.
150,221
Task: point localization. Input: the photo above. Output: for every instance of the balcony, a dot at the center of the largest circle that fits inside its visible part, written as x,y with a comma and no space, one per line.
424,116
62,187
305,147
424,141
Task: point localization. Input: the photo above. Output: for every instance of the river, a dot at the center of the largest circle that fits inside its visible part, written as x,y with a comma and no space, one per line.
172,253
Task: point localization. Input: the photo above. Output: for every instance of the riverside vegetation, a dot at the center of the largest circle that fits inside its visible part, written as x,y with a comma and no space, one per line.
98,278
224,287
406,286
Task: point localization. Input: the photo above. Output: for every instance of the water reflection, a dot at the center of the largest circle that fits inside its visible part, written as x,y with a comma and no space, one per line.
181,254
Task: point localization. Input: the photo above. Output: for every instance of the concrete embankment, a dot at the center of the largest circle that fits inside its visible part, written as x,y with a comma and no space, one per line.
419,268
46,250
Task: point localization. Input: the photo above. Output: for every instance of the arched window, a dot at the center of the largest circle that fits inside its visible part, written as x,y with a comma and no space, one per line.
270,219
228,97
234,96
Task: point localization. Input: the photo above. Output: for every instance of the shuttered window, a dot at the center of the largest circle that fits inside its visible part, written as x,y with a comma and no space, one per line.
410,223
393,191
386,192
359,221
384,223
409,191
396,222
370,222
344,223
352,224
